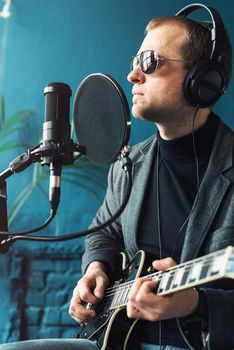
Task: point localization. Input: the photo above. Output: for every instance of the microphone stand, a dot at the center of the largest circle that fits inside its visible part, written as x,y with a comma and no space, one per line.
23,161
37,155
20,163
3,207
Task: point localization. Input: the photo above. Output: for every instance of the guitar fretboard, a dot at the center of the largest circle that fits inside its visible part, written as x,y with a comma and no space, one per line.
190,274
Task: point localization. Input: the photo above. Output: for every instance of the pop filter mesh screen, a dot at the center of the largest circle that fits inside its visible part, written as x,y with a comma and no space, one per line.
101,118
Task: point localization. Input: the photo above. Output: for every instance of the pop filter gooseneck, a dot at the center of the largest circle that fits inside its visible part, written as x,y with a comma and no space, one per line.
102,124
101,118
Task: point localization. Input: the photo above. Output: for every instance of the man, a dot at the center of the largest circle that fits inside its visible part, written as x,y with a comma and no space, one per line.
181,204
184,228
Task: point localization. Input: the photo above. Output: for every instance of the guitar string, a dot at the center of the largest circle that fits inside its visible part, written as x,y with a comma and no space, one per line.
115,303
124,288
122,295
153,276
160,274
185,266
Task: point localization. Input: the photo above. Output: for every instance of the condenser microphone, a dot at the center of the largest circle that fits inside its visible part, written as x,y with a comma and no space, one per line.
56,127
102,124
56,143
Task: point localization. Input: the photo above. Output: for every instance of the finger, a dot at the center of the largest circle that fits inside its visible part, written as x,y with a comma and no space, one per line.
101,284
149,287
82,318
163,264
132,311
146,296
79,312
136,287
77,304
85,291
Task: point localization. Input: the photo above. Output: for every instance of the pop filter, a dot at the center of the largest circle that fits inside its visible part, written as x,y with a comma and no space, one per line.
101,118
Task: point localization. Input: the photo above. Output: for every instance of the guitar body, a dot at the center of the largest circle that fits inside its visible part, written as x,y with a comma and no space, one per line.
112,328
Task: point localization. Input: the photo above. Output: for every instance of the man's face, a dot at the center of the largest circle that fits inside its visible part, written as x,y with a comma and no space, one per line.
159,96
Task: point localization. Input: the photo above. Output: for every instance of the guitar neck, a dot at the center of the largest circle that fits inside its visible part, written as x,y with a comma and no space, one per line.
197,272
193,273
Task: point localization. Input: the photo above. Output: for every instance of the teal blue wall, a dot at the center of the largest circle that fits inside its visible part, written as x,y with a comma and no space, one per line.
57,40
65,40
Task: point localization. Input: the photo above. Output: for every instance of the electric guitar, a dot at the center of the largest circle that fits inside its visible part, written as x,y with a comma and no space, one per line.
111,328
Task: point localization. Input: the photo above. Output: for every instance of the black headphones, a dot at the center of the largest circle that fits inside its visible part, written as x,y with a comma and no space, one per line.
206,82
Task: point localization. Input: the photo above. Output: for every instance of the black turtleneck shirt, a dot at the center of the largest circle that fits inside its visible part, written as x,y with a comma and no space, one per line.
171,191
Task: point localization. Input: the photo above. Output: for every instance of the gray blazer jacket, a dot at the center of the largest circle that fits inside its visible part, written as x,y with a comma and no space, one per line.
210,227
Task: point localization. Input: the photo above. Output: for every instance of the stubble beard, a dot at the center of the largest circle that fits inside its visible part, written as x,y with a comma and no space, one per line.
170,115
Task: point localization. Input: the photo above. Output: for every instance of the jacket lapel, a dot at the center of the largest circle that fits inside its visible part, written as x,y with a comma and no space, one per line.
141,173
211,193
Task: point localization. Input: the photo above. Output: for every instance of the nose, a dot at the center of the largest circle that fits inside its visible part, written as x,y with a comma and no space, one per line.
136,76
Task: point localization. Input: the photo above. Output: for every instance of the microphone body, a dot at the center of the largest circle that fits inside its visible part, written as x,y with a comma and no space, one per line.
57,146
56,140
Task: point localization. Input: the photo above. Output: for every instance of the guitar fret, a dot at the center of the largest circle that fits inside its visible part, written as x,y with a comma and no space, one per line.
190,273
195,271
126,290
184,278
107,304
129,287
163,282
170,278
205,270
125,298
217,263
187,274
112,306
117,301
157,276
121,296
178,277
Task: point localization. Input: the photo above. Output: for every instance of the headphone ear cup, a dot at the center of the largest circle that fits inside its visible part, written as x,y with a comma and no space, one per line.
205,83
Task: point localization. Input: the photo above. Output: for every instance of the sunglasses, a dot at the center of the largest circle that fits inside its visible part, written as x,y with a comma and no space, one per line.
148,61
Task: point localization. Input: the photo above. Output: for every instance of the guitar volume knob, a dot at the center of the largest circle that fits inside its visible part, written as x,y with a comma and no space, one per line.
151,269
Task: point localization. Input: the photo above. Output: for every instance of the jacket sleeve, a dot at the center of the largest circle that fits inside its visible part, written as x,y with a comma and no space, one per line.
106,244
219,333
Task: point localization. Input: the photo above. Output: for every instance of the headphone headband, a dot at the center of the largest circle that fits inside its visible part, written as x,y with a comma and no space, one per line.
217,30
206,81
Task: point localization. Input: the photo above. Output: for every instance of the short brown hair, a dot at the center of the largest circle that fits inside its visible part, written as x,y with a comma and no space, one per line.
198,46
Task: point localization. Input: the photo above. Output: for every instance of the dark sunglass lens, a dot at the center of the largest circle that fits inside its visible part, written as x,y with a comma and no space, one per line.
147,62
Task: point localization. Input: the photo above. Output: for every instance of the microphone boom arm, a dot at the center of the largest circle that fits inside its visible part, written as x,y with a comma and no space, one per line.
127,167
24,160
19,164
